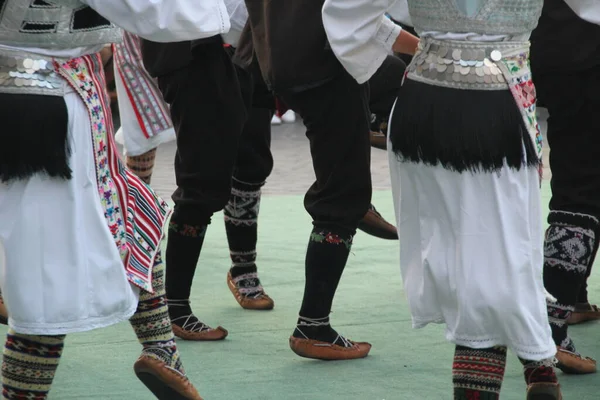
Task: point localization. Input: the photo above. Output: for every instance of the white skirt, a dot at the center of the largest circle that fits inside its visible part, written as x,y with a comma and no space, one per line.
130,134
62,271
471,255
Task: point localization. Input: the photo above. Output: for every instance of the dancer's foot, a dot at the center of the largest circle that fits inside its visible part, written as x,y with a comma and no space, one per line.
584,312
375,225
378,140
542,383
316,339
164,381
544,391
3,313
247,290
571,362
187,327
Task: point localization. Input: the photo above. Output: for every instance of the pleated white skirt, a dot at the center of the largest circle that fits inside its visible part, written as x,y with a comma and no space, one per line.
471,255
62,271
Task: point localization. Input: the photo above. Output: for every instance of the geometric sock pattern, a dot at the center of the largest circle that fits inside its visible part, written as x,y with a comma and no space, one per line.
241,216
568,249
142,165
539,371
478,373
29,365
152,324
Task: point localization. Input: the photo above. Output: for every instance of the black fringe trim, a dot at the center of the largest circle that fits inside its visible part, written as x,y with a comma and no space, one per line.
33,137
461,130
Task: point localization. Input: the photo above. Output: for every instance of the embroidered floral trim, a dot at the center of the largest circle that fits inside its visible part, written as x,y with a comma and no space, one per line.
187,230
330,238
521,86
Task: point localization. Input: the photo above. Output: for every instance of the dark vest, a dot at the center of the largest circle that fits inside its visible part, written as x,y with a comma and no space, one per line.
563,41
290,43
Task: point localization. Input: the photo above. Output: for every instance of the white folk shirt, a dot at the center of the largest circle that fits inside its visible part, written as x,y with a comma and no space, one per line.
166,20
588,10
360,34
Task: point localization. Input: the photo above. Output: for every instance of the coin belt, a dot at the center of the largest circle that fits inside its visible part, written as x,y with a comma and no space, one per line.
27,73
462,64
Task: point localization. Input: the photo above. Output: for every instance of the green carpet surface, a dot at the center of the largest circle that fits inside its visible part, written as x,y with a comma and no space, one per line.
255,362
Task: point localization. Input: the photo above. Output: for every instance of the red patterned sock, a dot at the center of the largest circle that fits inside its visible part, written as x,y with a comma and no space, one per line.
477,374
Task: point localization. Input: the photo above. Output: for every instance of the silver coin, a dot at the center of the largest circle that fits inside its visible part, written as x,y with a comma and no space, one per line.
463,63
487,79
425,73
465,70
479,64
496,55
479,71
43,64
456,77
28,63
456,54
467,55
495,78
450,69
19,82
487,70
487,62
472,78
433,73
480,79
471,63
448,61
443,51
442,67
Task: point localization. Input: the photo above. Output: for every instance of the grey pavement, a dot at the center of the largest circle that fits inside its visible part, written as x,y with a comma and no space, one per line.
292,172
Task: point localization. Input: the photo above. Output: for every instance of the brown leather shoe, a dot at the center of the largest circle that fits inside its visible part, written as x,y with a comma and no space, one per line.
260,302
584,312
378,140
375,225
544,391
3,313
164,382
208,335
572,363
318,350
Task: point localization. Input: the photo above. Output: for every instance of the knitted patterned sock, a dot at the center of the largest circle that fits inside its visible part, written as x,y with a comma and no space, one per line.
184,244
539,371
568,249
142,165
29,365
152,324
241,214
477,374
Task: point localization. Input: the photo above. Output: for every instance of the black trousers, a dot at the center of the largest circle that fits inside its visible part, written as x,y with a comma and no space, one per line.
385,85
573,100
336,116
219,133
574,137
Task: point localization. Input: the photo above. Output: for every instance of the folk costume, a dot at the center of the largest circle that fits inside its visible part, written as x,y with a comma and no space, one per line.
308,78
144,115
80,233
221,163
569,90
465,154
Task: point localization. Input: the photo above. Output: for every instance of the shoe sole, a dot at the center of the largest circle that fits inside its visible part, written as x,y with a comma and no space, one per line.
572,371
158,387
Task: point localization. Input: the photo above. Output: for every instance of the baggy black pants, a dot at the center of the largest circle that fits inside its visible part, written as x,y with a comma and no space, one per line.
219,133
